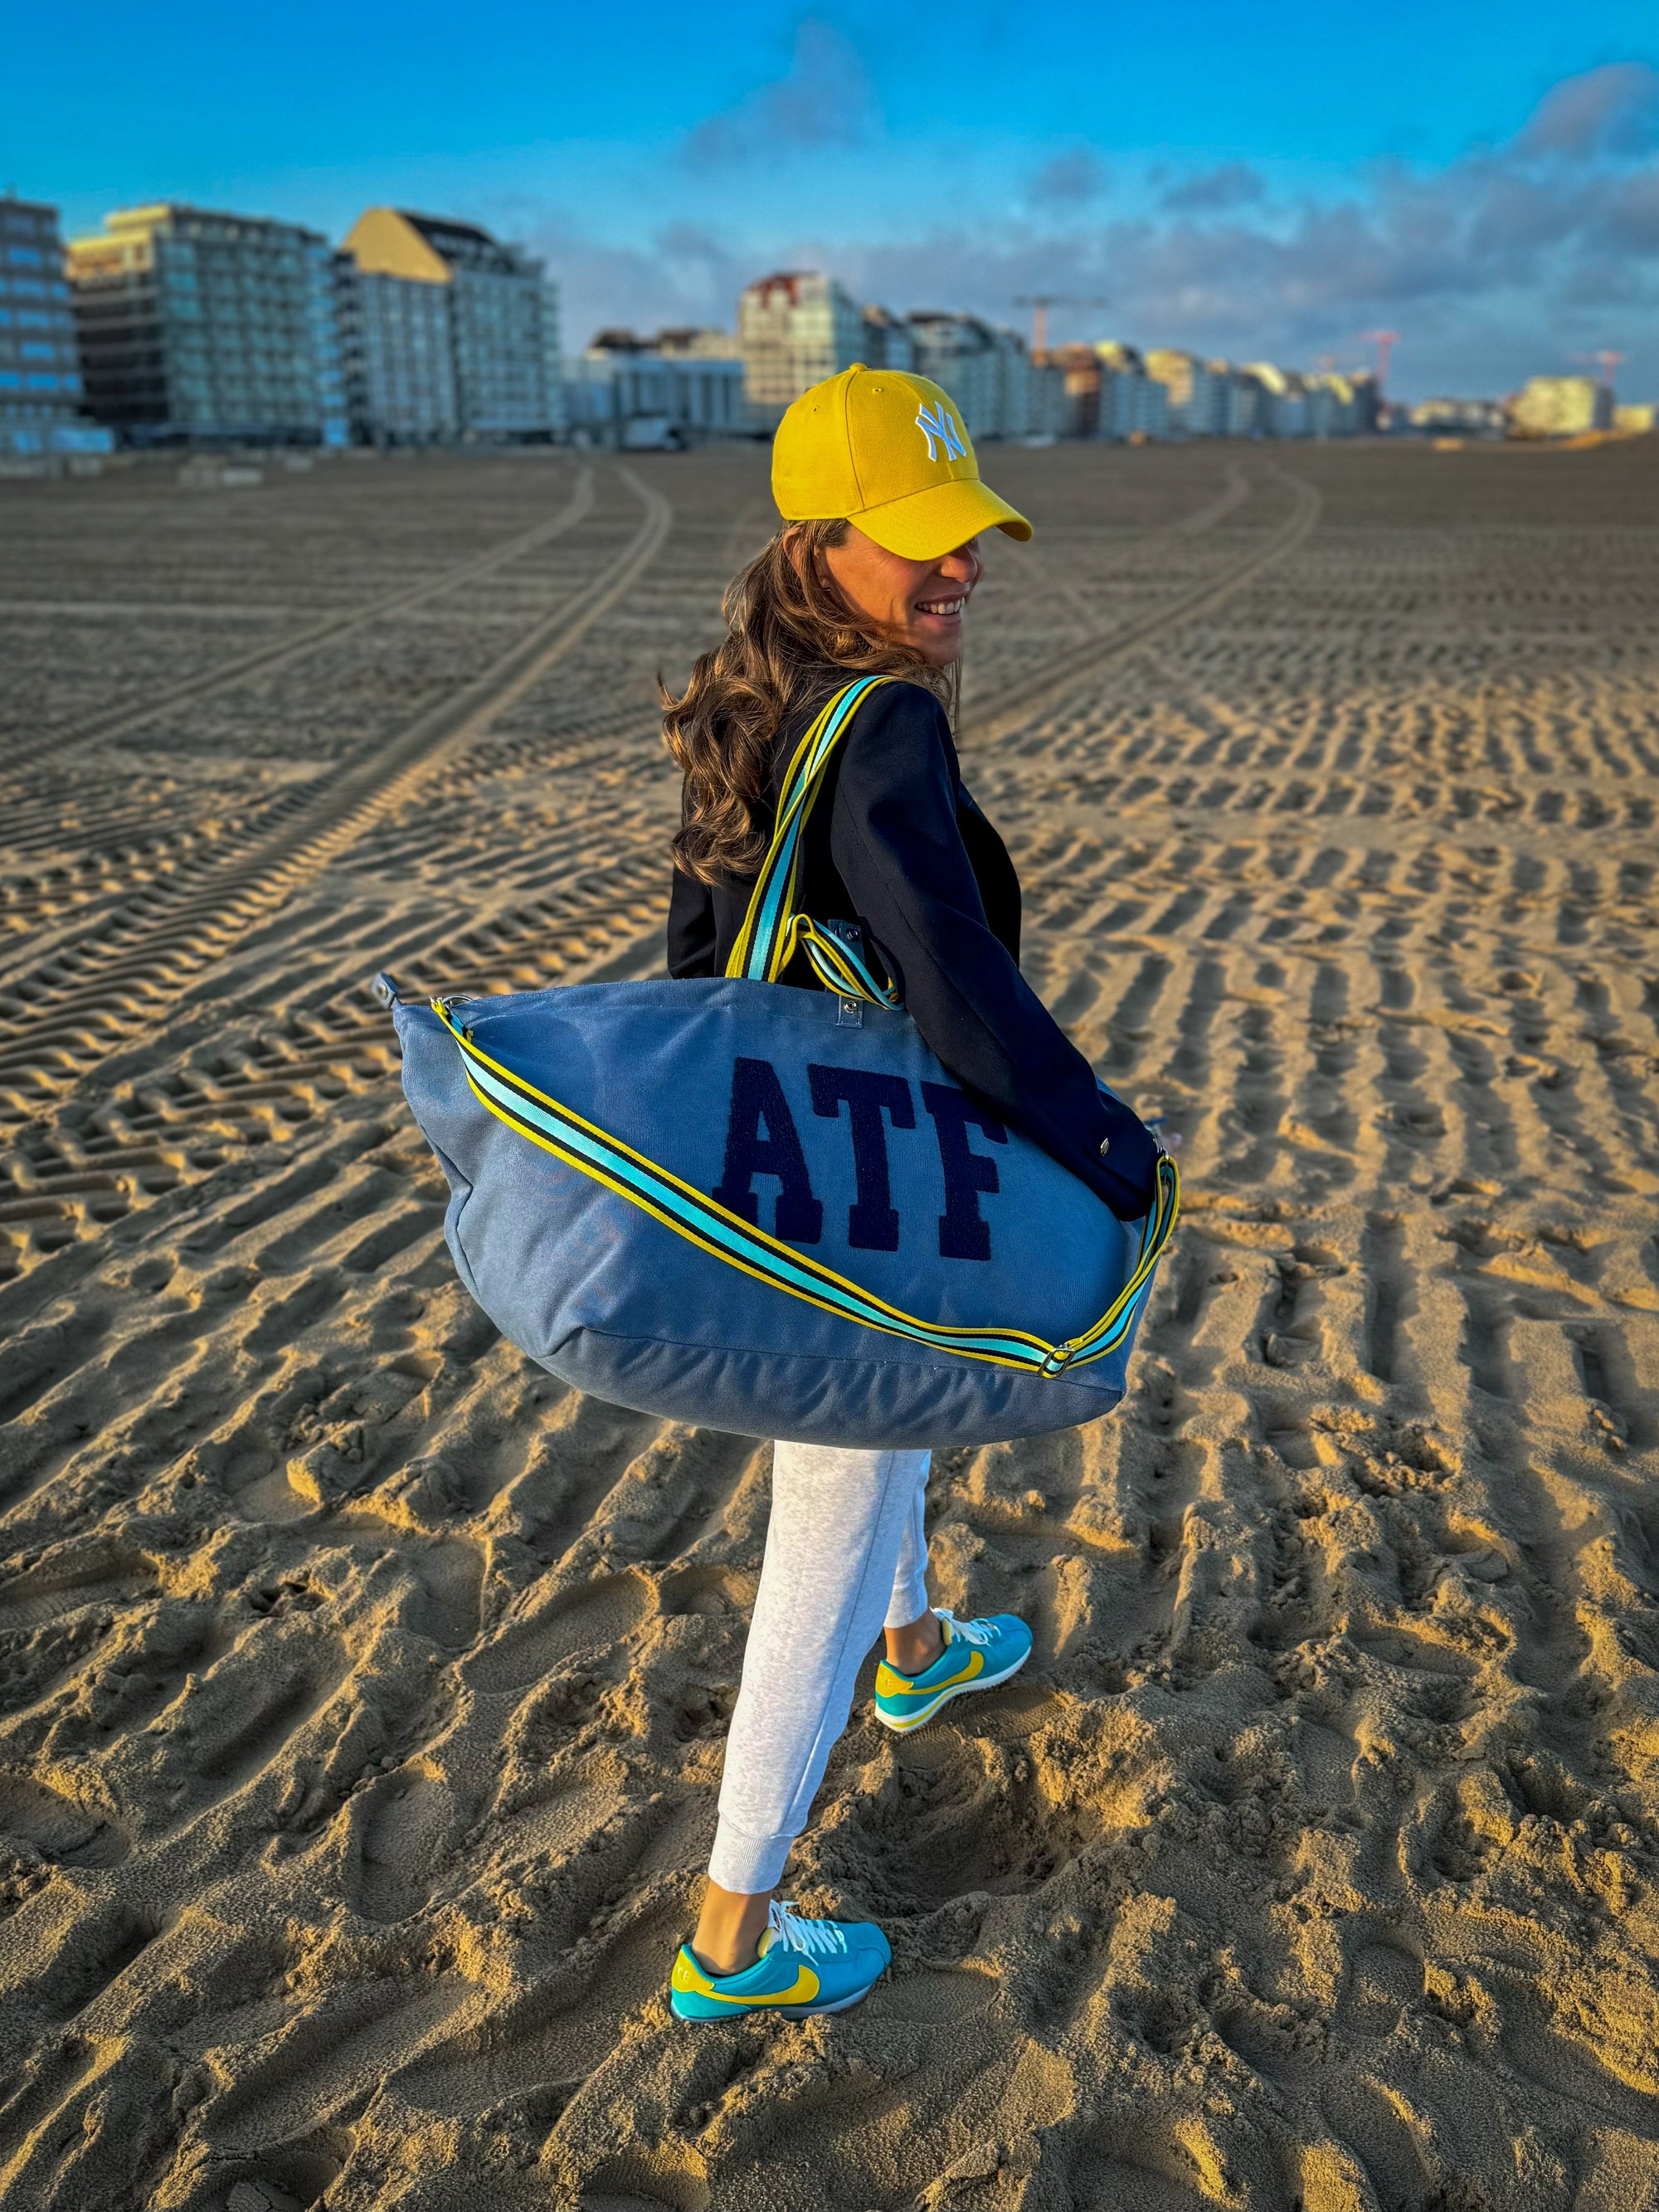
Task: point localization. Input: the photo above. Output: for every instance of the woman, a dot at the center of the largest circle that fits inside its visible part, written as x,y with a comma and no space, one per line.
872,574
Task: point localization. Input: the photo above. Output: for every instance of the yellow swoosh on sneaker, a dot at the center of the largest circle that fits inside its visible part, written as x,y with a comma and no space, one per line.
688,1976
897,1686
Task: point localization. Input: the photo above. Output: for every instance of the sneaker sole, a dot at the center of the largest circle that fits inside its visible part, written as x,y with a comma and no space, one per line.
781,2012
957,1690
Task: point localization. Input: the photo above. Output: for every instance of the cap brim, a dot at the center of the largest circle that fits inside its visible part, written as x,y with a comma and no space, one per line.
924,525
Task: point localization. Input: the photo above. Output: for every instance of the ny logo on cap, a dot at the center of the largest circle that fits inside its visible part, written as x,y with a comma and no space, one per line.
935,423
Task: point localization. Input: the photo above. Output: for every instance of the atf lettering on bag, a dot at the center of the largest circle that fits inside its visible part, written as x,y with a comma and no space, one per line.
762,1140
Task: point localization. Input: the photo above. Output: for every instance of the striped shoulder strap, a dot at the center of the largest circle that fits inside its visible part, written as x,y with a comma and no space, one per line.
773,932
714,1228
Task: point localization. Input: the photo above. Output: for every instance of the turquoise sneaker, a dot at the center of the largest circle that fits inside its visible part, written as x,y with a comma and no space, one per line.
805,1966
977,1656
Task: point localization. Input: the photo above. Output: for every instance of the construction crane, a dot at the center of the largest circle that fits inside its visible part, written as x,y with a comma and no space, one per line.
1040,302
1608,359
1385,342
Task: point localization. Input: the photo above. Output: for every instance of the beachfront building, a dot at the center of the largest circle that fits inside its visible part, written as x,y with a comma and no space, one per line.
1444,418
1132,405
1561,407
1031,399
499,312
1282,402
199,327
631,392
1001,391
1196,390
794,330
1076,367
40,365
685,342
397,356
1339,406
1241,406
959,353
887,341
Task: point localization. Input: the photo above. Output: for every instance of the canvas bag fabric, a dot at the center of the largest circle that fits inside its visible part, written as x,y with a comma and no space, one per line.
737,1135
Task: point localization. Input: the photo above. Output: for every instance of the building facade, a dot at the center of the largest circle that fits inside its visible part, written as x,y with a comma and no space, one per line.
689,342
500,323
1338,406
1449,418
1078,367
40,365
1032,397
195,326
1281,404
1132,405
632,392
1001,391
958,353
887,341
399,364
794,330
1195,390
1561,407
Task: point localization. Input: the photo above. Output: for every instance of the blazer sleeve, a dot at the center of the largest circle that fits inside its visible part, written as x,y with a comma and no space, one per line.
690,927
895,840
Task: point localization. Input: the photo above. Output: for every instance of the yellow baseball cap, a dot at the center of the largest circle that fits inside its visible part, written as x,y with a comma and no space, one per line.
887,452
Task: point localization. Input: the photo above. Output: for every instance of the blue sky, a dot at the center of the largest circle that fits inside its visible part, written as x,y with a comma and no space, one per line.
1261,181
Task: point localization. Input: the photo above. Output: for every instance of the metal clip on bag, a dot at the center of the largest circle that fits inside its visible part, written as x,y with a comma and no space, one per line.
757,1208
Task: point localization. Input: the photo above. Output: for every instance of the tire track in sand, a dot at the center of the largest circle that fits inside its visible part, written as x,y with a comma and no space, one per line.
137,974
121,720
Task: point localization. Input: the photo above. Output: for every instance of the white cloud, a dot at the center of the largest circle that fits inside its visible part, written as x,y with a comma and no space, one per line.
825,99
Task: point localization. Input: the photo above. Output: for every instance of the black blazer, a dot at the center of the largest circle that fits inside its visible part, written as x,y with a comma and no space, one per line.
896,844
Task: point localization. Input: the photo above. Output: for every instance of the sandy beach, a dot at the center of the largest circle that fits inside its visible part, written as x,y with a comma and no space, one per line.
362,1690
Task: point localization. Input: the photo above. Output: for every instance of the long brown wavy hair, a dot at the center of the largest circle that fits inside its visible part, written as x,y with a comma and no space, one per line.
790,635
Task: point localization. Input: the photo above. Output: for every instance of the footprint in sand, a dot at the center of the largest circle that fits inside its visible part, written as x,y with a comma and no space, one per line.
56,1827
594,1614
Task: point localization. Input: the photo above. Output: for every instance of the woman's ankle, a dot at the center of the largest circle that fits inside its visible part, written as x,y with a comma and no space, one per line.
914,1648
729,1929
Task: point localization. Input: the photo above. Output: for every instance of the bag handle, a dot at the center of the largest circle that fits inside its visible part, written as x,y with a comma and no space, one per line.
715,1229
772,930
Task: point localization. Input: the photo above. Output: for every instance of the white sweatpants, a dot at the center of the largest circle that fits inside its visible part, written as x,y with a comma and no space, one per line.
846,1553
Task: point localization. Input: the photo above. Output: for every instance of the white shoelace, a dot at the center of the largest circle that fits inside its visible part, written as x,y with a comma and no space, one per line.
804,1935
971,1632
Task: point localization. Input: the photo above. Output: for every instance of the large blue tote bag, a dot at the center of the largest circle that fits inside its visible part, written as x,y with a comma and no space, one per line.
769,1210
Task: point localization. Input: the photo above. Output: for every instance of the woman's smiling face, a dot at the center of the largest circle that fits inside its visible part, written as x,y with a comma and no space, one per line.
920,603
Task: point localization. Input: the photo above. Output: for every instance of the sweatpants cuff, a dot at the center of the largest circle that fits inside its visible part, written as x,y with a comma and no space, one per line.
747,1863
907,1605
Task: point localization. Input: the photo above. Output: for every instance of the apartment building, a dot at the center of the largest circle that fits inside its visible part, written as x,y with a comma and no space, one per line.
685,342
40,365
887,341
1339,406
666,391
396,354
429,286
1031,394
1001,391
794,329
1132,405
1561,407
959,352
204,327
1197,390
1449,418
1282,400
